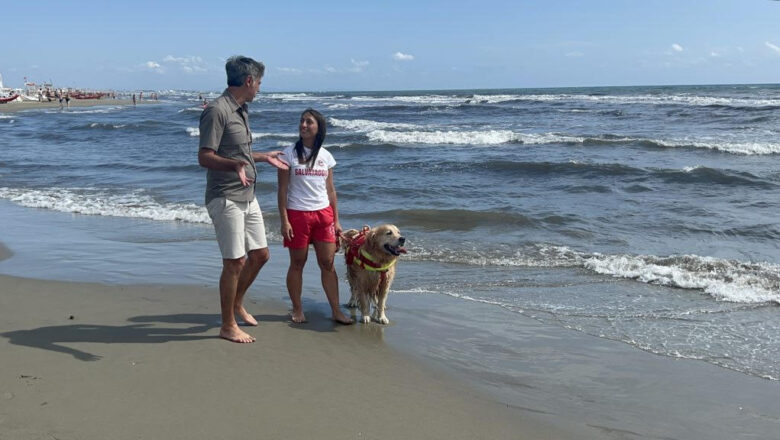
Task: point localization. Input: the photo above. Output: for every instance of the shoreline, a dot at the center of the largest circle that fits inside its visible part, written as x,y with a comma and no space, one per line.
552,378
93,361
13,107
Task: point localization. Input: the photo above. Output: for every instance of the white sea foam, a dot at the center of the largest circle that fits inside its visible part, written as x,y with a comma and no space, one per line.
89,201
747,148
654,99
195,132
288,96
487,137
91,111
725,280
683,99
368,125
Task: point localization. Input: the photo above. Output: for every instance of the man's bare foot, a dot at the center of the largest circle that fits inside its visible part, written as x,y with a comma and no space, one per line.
245,316
298,317
235,334
341,318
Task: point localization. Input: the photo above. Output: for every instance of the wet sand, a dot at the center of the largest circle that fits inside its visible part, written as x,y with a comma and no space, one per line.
90,361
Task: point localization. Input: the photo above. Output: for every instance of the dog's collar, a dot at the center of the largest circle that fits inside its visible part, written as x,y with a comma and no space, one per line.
368,262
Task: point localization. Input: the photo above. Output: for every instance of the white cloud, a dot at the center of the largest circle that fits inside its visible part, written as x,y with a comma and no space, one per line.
152,65
398,56
677,48
189,64
774,47
358,66
714,54
292,70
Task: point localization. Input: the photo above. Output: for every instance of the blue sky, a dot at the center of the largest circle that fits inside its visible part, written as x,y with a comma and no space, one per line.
398,45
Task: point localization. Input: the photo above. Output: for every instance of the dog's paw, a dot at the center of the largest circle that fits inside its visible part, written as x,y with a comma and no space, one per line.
383,320
365,319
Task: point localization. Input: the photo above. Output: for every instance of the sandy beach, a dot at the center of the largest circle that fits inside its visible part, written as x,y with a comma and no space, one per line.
11,107
90,361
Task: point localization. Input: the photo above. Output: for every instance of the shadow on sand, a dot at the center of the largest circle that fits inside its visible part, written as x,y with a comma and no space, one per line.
143,331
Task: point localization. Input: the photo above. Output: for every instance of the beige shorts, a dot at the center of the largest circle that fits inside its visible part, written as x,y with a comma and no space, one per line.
239,226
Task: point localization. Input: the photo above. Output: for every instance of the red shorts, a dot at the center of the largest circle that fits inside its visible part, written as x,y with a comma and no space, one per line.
310,226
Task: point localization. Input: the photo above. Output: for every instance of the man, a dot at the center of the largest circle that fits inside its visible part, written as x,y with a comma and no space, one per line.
225,149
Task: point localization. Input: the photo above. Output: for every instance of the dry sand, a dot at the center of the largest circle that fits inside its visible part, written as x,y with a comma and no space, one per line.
90,361
11,107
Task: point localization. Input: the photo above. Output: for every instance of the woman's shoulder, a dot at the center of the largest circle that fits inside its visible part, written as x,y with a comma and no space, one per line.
325,153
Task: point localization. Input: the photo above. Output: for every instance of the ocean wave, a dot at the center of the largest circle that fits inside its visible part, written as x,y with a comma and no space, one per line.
723,280
195,132
90,111
745,148
650,99
90,201
690,100
490,137
495,137
191,110
448,219
367,125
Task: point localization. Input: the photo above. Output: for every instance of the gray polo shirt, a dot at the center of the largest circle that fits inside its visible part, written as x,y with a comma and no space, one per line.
224,128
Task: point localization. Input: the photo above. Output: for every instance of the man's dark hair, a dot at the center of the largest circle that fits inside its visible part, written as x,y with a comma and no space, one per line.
239,67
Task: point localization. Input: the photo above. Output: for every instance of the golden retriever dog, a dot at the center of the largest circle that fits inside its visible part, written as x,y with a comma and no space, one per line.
371,255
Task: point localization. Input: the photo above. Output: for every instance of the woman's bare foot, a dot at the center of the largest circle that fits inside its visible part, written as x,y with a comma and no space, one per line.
297,317
235,334
245,316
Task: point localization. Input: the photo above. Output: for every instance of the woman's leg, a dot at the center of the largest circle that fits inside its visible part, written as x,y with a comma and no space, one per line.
326,252
295,282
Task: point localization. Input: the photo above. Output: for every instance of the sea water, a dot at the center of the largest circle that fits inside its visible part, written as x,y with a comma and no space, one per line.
646,215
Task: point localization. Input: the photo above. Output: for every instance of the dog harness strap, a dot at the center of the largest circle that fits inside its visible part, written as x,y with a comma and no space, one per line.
372,265
361,258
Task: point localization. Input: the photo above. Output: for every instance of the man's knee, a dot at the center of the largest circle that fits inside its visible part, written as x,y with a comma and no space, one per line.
259,257
233,266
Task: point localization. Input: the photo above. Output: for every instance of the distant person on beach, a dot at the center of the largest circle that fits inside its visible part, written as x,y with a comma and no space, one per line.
133,99
225,150
67,99
309,213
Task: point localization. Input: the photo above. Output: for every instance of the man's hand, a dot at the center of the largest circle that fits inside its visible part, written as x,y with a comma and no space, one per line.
241,171
272,157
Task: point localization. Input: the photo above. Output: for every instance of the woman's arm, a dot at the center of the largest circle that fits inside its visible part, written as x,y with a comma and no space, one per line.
283,182
334,201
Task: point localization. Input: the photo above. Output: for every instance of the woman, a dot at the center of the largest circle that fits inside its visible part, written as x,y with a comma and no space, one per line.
309,213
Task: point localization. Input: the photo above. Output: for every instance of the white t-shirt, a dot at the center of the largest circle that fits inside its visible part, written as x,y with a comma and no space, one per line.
308,190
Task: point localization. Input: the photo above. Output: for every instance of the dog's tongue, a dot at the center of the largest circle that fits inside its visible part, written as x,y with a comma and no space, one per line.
401,250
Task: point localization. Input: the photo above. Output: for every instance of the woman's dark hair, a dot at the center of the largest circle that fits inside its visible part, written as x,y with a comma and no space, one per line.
322,128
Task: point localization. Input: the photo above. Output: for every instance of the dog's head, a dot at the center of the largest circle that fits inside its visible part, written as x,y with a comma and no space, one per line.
387,239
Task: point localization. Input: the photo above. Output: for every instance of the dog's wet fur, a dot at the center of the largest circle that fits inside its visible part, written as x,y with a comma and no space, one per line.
384,243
